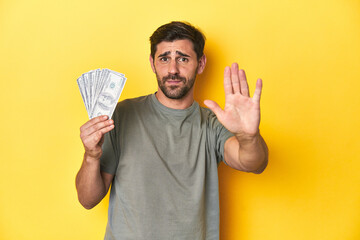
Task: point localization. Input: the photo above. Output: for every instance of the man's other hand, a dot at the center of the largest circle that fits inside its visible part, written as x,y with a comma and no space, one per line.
241,114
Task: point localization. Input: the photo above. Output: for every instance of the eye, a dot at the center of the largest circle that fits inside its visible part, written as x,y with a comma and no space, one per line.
164,59
183,59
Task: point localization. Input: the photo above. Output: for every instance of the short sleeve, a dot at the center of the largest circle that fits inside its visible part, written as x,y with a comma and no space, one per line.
219,135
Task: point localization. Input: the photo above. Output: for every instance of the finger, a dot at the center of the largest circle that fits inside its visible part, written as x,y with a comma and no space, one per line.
91,141
258,89
227,81
95,127
95,138
235,78
213,106
93,121
244,87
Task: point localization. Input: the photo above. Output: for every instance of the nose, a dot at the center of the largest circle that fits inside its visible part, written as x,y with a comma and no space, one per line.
173,67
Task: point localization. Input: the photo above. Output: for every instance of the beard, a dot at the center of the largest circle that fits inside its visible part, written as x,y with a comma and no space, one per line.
175,91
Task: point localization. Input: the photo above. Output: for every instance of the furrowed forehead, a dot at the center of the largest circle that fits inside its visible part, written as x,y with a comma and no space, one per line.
182,47
167,53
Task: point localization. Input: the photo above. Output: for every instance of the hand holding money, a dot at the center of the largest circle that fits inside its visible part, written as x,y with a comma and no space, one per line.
92,135
100,91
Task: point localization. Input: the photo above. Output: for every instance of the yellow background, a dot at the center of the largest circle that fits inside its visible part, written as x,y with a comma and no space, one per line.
307,53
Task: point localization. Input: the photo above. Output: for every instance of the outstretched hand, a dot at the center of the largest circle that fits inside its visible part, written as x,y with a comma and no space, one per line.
241,114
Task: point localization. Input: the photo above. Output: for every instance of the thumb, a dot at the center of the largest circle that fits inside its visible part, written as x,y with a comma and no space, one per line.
213,106
101,140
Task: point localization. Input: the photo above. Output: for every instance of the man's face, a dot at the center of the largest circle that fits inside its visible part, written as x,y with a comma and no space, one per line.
176,66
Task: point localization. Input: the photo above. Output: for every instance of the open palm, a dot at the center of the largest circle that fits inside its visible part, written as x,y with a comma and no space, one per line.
241,114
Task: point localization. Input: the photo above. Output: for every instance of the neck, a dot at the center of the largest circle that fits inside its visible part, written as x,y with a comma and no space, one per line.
182,103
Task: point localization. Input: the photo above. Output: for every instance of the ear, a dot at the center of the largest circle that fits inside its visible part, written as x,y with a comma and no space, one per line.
152,63
202,63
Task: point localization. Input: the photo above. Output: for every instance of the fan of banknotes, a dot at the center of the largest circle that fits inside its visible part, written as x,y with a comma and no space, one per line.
100,90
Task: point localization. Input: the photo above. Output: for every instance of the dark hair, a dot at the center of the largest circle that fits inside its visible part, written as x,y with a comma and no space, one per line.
178,31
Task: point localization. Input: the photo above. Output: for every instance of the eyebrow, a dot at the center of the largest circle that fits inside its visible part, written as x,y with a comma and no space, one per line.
182,54
177,52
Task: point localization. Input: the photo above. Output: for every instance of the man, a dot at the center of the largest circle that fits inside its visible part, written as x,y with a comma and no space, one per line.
161,151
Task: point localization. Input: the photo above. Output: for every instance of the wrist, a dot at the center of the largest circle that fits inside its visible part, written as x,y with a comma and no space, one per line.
245,138
90,158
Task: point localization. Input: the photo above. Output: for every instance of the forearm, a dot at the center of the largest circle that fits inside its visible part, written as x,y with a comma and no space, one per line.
253,153
248,154
90,185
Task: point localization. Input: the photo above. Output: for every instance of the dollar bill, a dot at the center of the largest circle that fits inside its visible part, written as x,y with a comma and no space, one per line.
100,90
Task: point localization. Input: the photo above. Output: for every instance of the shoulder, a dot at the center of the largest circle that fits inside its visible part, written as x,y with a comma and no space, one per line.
137,100
132,102
139,106
211,121
208,115
129,107
206,112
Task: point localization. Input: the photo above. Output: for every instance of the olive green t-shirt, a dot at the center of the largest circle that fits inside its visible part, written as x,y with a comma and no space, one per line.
165,165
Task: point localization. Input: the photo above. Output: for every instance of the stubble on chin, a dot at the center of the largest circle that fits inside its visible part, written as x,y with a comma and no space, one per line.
175,91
